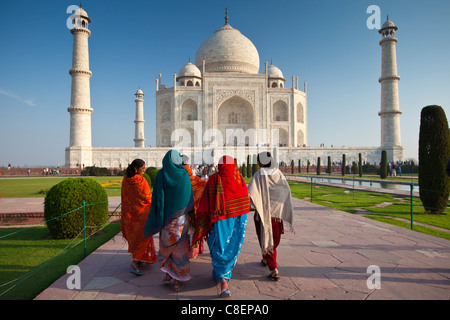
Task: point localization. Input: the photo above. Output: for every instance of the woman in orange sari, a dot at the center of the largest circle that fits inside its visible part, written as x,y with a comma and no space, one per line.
198,185
136,199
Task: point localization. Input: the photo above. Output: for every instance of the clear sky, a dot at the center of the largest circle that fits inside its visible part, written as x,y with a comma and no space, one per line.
326,43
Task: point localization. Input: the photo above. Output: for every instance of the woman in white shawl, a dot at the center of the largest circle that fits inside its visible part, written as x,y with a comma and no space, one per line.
270,195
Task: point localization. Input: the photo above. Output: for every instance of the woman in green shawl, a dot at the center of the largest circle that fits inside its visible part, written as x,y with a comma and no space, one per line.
172,200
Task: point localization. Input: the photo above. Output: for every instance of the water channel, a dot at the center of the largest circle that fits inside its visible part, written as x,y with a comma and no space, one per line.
391,185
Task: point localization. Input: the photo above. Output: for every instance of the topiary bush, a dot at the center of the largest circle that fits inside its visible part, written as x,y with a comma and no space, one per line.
383,165
67,196
95,171
434,152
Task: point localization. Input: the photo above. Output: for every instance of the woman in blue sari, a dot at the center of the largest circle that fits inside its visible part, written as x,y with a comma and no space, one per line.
172,200
222,216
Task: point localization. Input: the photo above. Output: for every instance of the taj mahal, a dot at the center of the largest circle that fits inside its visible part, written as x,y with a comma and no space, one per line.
222,103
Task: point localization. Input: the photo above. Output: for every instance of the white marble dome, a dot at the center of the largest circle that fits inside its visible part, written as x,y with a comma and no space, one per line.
227,50
274,72
190,70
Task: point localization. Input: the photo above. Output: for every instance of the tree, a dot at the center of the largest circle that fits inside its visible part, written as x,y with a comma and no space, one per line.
354,167
292,166
318,166
307,167
383,165
434,153
249,167
255,167
299,166
329,166
360,164
343,165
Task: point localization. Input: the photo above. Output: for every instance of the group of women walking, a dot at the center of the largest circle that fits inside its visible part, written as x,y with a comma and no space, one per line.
186,211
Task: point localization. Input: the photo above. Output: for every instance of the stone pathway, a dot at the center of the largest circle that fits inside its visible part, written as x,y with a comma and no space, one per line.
327,258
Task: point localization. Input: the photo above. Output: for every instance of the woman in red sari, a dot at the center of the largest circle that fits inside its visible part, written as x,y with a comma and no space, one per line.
136,199
222,218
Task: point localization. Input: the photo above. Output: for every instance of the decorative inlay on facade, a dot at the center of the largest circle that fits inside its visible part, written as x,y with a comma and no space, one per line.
222,95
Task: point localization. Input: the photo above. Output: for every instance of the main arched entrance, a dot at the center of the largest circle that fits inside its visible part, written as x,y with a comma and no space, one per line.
236,114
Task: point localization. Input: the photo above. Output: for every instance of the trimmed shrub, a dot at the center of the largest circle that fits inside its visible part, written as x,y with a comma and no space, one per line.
360,164
383,165
329,169
343,165
255,167
434,153
67,196
147,177
354,167
318,166
152,174
95,171
244,171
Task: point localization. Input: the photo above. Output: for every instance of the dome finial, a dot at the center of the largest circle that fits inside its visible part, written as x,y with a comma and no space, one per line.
226,15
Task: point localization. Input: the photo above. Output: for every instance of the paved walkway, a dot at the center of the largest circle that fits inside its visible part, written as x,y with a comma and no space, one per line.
327,258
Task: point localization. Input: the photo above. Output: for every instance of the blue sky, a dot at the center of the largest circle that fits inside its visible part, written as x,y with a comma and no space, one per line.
323,42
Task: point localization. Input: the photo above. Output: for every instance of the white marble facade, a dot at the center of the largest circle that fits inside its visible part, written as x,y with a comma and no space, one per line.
222,104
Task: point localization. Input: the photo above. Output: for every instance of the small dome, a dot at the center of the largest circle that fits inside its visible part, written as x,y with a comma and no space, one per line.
82,13
274,72
388,24
139,92
189,70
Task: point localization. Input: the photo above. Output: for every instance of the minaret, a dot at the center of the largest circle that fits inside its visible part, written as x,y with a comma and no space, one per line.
390,111
80,150
139,132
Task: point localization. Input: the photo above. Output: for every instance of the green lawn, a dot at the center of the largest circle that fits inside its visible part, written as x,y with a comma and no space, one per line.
37,187
30,261
378,206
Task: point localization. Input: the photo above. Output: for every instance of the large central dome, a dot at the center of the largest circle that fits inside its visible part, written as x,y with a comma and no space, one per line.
227,50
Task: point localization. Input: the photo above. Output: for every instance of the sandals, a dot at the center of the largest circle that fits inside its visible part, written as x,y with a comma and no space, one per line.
178,285
224,288
274,276
167,279
135,269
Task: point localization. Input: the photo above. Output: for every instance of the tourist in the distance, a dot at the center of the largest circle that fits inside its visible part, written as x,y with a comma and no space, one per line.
171,204
136,200
222,216
270,195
